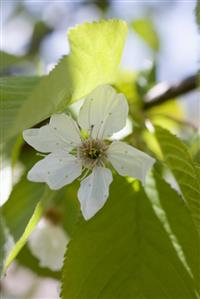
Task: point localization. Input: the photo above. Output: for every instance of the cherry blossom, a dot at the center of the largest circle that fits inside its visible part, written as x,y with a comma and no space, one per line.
84,147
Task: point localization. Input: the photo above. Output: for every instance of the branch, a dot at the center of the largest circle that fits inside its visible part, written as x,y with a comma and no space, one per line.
163,92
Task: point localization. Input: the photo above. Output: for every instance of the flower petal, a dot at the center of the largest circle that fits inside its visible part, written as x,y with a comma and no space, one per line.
57,170
104,112
66,128
48,243
94,191
61,133
129,161
43,139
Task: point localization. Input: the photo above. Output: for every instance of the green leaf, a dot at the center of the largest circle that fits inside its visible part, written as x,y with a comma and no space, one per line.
95,56
198,12
20,206
178,159
38,212
10,151
96,51
8,60
168,115
40,31
22,211
146,30
124,252
66,203
26,259
177,221
126,84
14,91
3,236
194,147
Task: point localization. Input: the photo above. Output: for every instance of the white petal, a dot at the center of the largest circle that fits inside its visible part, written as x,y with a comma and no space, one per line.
56,169
104,112
94,191
66,128
61,133
44,139
129,161
48,243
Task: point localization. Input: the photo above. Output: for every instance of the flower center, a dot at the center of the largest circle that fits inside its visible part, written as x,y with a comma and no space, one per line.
92,152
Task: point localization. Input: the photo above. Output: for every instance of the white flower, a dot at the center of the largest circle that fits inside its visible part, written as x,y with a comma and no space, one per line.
48,243
103,113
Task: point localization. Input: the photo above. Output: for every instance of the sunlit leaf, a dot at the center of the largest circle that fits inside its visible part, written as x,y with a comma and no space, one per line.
168,115
96,50
146,30
126,84
152,143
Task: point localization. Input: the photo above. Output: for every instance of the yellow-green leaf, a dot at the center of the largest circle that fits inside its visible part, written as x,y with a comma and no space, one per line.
146,30
96,50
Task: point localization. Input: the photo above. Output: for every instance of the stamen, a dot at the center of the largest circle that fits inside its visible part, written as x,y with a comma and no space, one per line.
91,129
92,153
102,127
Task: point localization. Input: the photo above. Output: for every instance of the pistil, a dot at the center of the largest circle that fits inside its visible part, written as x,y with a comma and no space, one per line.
92,152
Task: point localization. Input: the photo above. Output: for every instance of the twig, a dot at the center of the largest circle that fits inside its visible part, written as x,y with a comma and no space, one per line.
163,92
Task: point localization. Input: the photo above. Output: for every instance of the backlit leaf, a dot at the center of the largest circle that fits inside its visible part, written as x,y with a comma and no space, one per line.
96,50
146,30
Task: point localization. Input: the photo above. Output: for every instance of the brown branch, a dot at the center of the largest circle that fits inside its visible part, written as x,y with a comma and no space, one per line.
163,92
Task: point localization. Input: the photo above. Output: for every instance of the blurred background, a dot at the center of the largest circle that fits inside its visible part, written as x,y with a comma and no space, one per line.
34,37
